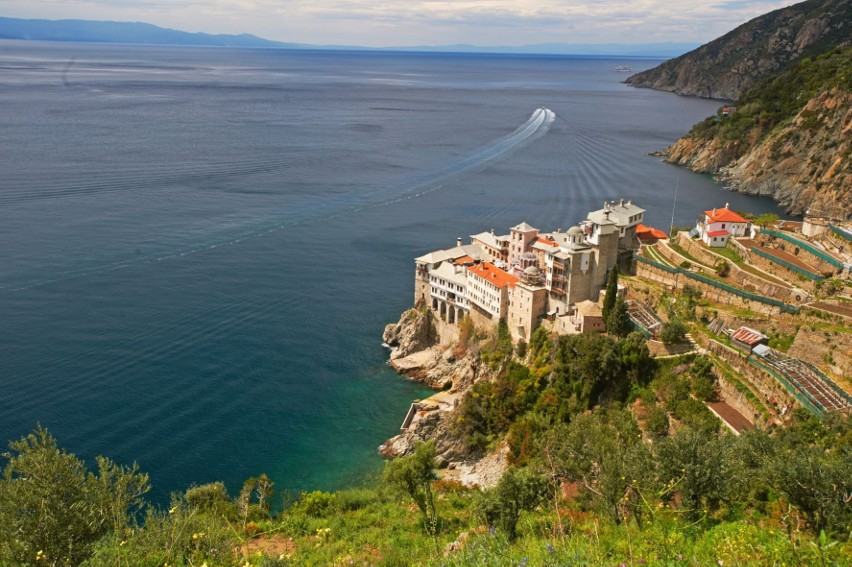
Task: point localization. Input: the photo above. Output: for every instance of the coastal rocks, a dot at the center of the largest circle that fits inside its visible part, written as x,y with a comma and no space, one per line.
427,350
423,351
404,443
414,332
703,156
801,164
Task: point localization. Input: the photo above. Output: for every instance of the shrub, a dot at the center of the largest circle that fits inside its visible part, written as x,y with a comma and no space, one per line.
316,504
673,332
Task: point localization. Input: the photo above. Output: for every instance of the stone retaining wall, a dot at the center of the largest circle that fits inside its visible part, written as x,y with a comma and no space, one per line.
766,383
740,277
709,292
780,271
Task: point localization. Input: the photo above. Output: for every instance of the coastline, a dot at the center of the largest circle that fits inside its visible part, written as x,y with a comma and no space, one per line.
427,350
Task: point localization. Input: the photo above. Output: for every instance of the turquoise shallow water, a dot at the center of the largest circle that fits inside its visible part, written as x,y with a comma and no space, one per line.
199,248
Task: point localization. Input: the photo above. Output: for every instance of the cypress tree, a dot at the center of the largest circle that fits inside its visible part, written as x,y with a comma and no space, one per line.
611,293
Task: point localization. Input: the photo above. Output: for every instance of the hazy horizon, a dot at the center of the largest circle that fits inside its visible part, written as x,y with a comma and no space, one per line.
478,23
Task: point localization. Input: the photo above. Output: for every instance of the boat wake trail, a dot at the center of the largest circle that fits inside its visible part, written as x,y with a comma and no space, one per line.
536,126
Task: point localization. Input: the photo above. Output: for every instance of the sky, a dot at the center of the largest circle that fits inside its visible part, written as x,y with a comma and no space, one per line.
383,23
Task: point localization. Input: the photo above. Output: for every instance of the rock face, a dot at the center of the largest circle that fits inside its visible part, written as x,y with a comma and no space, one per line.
414,332
803,163
728,66
789,135
425,350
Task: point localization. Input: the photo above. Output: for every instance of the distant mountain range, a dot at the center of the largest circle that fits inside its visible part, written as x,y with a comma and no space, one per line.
142,33
121,32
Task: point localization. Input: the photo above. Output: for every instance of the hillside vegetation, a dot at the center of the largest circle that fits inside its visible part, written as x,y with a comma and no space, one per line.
728,66
788,137
615,461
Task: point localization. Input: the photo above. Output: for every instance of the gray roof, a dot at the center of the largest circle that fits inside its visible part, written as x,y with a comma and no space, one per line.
450,273
490,239
472,250
619,213
543,246
524,227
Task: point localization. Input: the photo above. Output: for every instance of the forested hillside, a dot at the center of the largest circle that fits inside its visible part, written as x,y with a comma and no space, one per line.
789,137
728,66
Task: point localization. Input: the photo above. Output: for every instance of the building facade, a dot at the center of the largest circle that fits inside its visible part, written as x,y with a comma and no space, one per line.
718,225
528,275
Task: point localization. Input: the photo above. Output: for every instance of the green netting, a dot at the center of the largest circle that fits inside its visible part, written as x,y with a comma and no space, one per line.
840,232
720,285
803,398
639,327
656,264
792,267
805,246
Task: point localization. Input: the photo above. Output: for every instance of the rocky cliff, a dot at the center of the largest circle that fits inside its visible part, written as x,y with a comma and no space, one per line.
728,66
788,138
429,351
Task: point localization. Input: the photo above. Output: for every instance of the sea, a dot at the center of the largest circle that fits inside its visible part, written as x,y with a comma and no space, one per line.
200,247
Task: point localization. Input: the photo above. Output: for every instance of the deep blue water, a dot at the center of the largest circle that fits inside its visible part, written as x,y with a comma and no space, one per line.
199,248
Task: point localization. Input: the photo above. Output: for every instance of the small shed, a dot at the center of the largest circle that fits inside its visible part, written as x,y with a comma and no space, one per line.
746,339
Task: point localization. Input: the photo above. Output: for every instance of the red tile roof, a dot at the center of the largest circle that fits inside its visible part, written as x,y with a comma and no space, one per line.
724,215
463,260
546,241
718,233
643,231
748,336
493,274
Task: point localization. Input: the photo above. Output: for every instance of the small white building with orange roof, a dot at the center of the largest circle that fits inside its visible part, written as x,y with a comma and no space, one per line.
718,225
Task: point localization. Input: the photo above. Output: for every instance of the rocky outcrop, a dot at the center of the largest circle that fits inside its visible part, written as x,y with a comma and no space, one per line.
438,368
728,66
426,350
803,163
415,331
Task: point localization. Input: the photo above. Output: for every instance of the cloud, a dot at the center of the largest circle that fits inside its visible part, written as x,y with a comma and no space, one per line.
409,22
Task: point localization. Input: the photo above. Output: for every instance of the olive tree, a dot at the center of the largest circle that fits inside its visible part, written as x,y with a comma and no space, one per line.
413,475
54,510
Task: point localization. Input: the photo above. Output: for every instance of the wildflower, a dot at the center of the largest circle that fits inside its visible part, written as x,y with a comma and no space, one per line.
524,562
550,548
40,556
122,543
492,530
173,509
